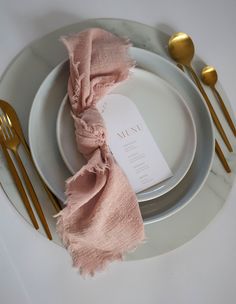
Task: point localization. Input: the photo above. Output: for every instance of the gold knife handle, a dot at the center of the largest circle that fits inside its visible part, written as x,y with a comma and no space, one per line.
33,195
19,186
222,157
224,110
211,109
55,204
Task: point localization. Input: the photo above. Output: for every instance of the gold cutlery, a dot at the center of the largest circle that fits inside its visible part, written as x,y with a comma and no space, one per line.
14,121
17,180
181,49
209,77
218,150
221,156
12,142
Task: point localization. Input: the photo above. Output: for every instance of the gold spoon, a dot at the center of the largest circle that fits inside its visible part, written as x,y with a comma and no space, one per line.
181,49
218,150
209,77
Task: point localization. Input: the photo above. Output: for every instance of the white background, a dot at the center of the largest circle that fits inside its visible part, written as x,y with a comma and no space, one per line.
33,270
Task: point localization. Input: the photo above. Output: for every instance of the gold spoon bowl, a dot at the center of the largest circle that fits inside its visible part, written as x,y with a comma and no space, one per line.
209,77
181,48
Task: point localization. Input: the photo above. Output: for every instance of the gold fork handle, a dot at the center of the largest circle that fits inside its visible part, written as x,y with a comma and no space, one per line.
222,157
20,187
224,110
53,201
33,195
211,109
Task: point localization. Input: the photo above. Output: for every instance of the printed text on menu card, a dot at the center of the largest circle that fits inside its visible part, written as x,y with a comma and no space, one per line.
132,143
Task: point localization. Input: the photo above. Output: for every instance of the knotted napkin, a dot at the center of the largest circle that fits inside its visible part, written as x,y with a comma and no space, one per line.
101,221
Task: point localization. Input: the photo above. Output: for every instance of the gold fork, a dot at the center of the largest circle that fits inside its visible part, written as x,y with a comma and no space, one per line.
12,142
17,181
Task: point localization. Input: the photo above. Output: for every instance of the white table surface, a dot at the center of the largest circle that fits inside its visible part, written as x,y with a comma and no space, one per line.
34,270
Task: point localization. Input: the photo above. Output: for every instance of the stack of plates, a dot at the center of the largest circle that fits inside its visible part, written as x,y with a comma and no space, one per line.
173,111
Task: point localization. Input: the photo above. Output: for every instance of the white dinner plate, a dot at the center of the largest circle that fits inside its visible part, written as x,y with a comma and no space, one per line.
165,113
46,155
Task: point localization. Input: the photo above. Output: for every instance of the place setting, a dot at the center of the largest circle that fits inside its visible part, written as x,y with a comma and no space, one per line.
119,144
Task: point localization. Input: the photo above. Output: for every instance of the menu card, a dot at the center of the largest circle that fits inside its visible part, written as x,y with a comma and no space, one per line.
132,143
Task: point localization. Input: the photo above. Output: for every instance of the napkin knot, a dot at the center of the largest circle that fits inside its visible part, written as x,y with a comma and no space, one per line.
90,132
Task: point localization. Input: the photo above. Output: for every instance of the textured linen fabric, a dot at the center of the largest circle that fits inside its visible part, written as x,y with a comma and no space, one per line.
101,221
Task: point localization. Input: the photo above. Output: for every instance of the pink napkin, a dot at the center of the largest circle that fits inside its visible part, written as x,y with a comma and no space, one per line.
102,220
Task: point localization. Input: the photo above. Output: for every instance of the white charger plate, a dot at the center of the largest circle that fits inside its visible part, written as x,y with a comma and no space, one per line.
165,113
45,152
169,232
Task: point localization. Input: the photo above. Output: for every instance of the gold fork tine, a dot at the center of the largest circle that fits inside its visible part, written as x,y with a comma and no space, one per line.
12,143
17,180
3,129
9,121
5,125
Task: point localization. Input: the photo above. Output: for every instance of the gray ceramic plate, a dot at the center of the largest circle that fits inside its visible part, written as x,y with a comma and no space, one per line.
42,133
165,113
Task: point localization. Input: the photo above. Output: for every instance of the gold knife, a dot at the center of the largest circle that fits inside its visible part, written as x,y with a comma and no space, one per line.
18,183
